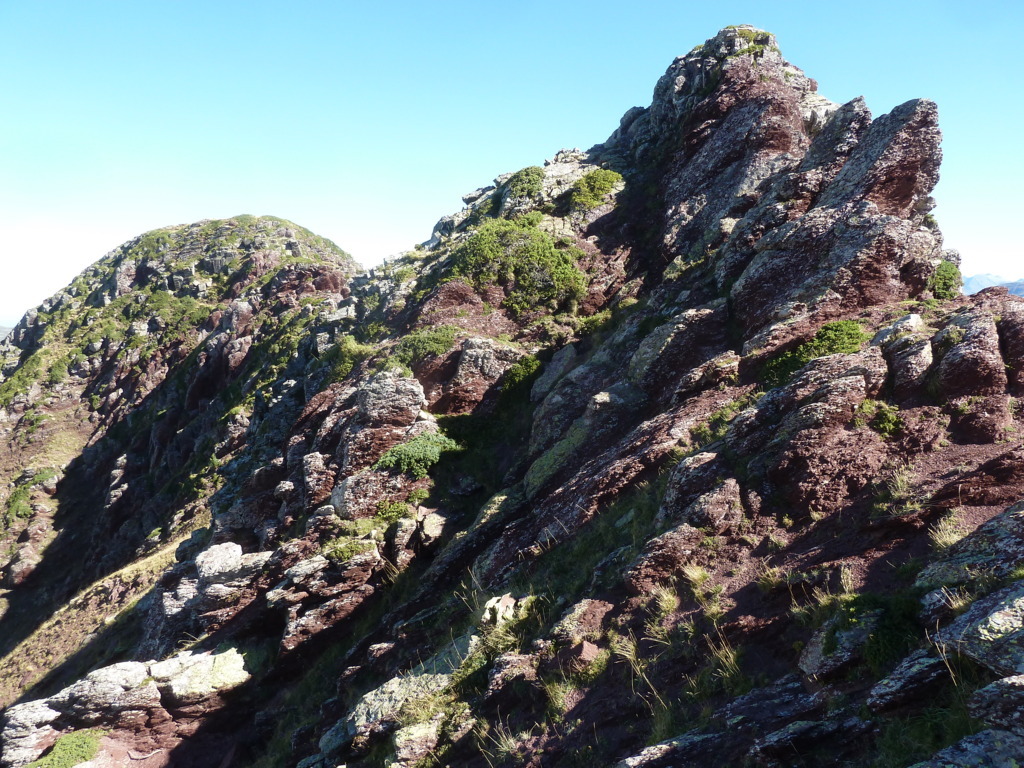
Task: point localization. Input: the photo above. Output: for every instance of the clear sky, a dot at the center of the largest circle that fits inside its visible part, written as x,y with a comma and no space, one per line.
367,122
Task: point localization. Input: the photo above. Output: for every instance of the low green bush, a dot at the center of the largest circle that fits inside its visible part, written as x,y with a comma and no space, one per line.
391,511
527,182
71,749
590,191
840,336
885,419
946,282
534,271
344,356
520,372
417,345
417,456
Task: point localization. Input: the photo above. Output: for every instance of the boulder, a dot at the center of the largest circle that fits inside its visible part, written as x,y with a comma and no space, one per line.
1001,704
973,364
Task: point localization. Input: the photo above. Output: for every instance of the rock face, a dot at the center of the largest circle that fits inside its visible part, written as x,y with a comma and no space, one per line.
677,451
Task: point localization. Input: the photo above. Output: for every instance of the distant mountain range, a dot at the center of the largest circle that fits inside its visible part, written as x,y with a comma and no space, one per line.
4,331
977,283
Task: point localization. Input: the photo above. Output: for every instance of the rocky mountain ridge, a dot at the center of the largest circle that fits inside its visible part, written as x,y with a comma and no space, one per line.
683,450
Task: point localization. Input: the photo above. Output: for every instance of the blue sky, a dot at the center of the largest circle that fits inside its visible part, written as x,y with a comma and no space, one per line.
367,123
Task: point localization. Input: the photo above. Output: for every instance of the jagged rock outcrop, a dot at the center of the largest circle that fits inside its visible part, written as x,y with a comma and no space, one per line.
680,450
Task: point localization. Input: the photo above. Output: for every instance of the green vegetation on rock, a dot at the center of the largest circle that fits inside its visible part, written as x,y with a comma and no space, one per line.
424,342
70,750
534,271
880,416
841,336
519,373
527,182
417,456
343,357
391,511
590,191
946,282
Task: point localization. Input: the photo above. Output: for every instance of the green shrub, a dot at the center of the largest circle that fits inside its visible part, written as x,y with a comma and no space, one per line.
589,192
417,496
527,182
71,749
885,419
520,372
525,261
946,282
391,511
344,356
717,424
841,336
417,345
58,372
417,456
345,548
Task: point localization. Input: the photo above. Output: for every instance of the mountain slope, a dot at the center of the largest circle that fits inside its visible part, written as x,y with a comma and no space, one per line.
684,450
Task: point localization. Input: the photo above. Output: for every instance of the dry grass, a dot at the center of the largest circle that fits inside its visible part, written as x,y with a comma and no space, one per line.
69,629
947,531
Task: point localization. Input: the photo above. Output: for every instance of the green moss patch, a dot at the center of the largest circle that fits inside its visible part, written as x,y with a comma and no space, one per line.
422,343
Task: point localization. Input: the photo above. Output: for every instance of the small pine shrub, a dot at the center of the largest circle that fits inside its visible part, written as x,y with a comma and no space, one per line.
589,192
525,261
391,511
417,456
519,374
419,344
841,336
344,356
417,496
344,549
946,282
527,182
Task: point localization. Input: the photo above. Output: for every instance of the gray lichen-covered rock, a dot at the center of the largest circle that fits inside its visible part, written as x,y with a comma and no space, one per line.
780,748
380,708
717,510
1001,704
110,695
784,702
835,647
973,364
389,398
27,732
127,695
414,743
188,678
679,343
909,352
995,548
987,749
991,632
912,678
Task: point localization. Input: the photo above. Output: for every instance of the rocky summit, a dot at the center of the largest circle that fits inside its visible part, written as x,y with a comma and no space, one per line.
685,450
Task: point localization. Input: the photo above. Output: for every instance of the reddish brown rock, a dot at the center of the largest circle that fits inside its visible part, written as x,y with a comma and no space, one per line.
972,365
